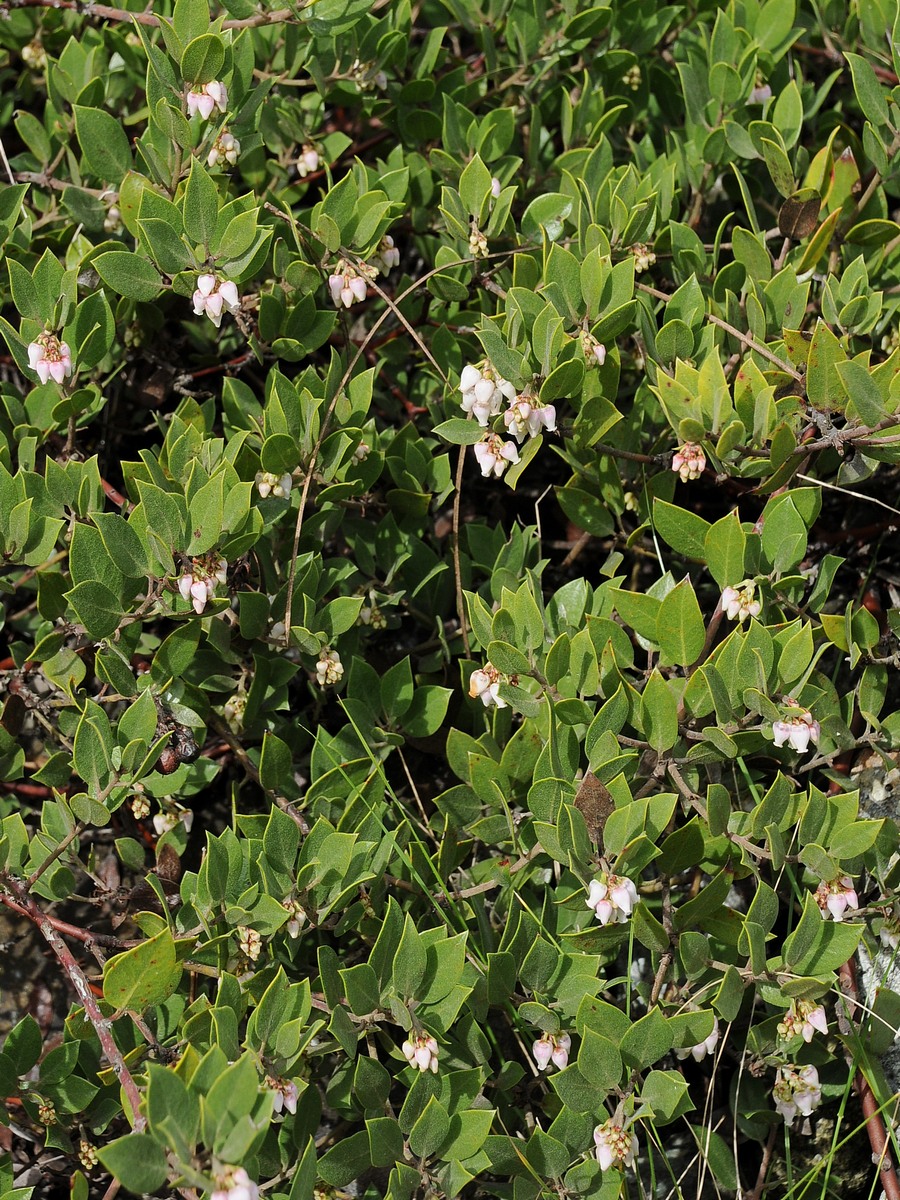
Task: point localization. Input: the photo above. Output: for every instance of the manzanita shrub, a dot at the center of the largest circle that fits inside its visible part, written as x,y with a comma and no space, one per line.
448,456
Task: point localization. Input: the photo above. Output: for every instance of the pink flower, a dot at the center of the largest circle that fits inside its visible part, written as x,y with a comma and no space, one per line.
523,418
308,161
803,1017
226,148
235,1184
798,729
612,897
552,1048
738,602
213,295
837,896
211,95
388,255
689,462
286,1094
349,282
614,1145
496,187
50,358
484,685
494,455
421,1052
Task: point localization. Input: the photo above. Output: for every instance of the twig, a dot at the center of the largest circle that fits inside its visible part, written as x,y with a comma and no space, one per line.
92,1011
763,1171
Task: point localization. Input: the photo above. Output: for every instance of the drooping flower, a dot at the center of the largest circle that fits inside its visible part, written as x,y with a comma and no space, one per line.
494,455
198,584
235,1184
478,243
707,1046
297,919
249,941
387,255
738,603
614,1145
689,461
797,729
213,296
496,187
552,1048
837,896
225,149
594,351
349,282
269,484
308,161
483,390
796,1090
643,257
203,100
329,668
523,419
612,897
421,1052
889,933
50,358
286,1093
803,1017
484,685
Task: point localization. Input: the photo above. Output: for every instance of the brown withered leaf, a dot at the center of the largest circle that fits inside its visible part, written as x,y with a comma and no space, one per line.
594,801
798,215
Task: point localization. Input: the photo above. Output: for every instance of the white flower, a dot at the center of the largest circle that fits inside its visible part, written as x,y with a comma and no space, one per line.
484,685
112,222
268,484
362,451
689,461
329,668
594,351
212,295
483,390
421,1052
387,255
478,244
286,1093
211,95
308,161
199,583
796,1091
760,94
50,358
552,1048
494,455
34,55
169,817
643,257
614,1145
140,806
631,502
235,1184
738,602
249,941
496,187
226,148
707,1046
803,1017
798,730
837,896
297,917
890,930
523,418
349,282
612,897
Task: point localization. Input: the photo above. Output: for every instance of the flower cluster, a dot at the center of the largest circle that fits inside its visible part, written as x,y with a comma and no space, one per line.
689,461
889,933
387,255
50,358
286,1093
213,295
643,257
836,896
168,817
612,897
329,668
297,917
552,1048
34,56
199,583
308,161
803,1017
225,149
483,390
421,1052
249,941
212,95
349,282
484,685
594,351
478,243
494,455
233,711
523,418
738,603
235,1184
614,1145
707,1046
798,730
268,484
796,1090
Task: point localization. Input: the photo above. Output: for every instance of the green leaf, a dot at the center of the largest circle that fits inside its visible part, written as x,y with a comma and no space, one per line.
659,713
726,545
97,608
459,431
130,275
681,528
144,976
646,1041
203,59
201,205
103,142
137,1160
680,629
